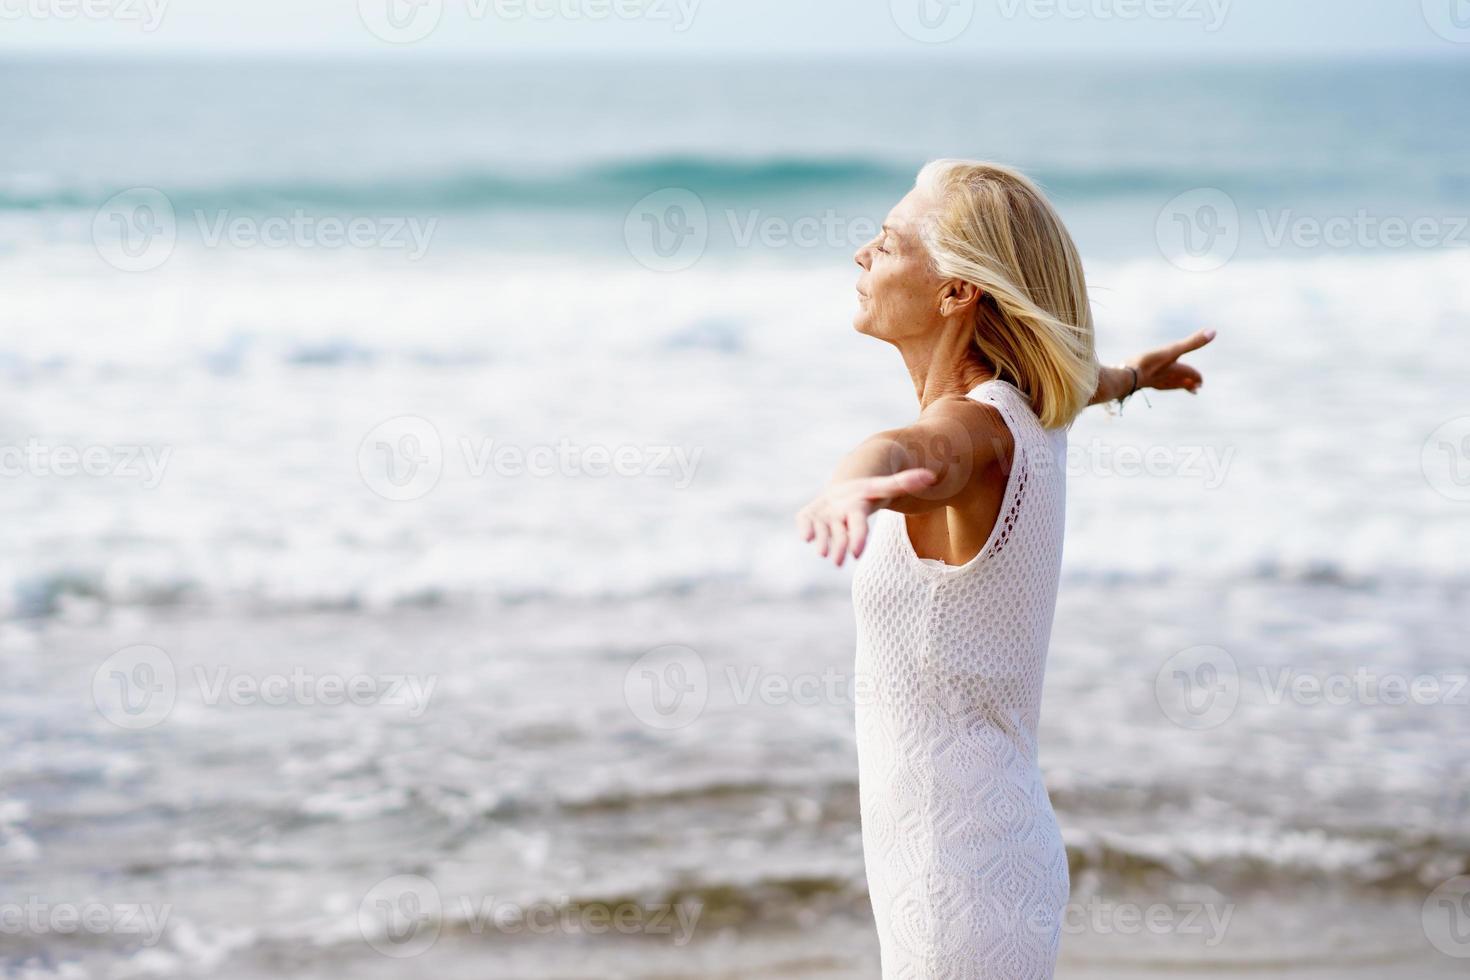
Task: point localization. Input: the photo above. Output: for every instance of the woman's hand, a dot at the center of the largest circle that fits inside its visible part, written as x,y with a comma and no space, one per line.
1161,369
838,519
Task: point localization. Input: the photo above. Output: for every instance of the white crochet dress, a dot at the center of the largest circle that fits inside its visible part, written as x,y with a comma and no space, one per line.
966,867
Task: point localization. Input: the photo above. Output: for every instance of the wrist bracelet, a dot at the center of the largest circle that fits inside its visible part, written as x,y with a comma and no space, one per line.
1123,399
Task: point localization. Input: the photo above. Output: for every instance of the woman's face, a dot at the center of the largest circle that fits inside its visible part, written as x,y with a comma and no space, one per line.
899,292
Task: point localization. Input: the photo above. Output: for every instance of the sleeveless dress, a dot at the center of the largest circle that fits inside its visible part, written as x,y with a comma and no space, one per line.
966,867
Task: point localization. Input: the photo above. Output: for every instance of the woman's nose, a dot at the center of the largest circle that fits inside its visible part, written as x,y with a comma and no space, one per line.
861,257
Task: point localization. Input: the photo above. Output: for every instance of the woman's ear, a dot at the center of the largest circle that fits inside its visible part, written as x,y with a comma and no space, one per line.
958,296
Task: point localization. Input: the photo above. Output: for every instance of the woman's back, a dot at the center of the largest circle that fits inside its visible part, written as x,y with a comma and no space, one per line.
962,847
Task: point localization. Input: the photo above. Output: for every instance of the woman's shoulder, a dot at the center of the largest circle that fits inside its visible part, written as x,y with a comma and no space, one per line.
973,427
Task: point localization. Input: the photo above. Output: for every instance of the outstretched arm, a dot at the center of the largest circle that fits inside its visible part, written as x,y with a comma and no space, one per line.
1160,369
918,468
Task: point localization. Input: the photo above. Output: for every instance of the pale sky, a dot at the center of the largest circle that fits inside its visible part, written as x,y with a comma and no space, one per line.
1002,28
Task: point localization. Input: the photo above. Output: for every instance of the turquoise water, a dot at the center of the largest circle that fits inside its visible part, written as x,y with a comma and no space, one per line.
655,258
525,156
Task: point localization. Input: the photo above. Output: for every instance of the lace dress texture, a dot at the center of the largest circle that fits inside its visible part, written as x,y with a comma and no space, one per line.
966,868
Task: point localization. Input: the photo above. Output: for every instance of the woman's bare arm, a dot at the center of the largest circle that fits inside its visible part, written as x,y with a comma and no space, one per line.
1159,369
932,463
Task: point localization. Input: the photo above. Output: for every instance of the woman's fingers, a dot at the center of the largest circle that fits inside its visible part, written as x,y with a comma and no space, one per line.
804,525
899,484
1191,343
857,527
837,522
839,540
1178,376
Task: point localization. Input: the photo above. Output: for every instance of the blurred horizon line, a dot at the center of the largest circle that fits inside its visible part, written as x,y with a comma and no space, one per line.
1060,56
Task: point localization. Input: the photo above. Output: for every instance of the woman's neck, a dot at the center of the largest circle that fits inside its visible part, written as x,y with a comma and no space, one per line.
944,365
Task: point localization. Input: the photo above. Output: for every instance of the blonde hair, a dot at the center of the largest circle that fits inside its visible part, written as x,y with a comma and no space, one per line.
995,229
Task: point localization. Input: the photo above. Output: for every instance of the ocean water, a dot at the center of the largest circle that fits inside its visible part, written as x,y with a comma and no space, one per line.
491,390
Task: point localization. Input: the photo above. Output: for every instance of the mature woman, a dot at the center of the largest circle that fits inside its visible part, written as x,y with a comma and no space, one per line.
978,284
